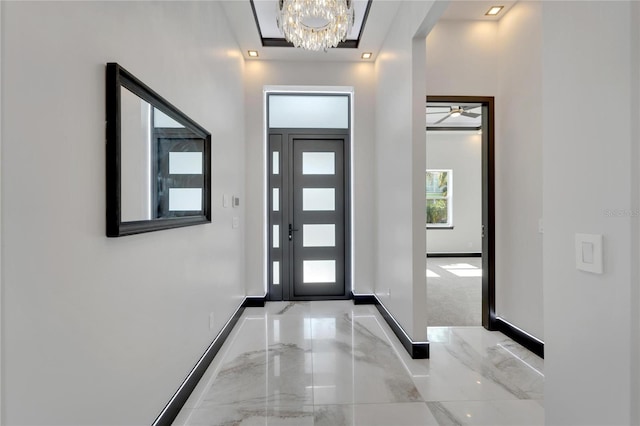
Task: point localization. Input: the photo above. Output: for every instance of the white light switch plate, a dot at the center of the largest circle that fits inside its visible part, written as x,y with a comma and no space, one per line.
589,253
225,200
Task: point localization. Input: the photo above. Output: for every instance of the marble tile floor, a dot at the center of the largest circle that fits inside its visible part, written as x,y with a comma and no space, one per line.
335,363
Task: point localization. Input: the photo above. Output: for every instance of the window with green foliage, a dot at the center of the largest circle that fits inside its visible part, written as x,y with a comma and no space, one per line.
439,196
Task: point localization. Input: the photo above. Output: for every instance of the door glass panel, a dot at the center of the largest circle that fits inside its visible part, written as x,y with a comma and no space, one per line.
318,163
275,235
318,199
276,199
319,271
185,199
318,235
276,272
185,163
275,167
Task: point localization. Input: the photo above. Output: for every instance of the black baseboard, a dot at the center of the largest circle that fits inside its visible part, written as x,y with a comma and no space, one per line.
254,301
170,412
454,254
417,350
534,345
364,299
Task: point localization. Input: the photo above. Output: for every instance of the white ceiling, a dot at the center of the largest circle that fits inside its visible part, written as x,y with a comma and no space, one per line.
243,25
474,10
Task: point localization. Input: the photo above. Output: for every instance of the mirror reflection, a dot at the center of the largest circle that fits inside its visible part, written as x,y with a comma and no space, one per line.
135,128
158,162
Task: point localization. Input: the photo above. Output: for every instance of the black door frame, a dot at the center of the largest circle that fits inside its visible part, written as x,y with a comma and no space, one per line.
488,202
277,137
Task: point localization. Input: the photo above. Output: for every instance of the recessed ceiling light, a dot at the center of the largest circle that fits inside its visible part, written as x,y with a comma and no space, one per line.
253,53
367,55
494,10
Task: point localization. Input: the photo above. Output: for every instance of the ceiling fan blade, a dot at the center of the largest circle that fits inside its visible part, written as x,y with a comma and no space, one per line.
471,114
442,119
438,112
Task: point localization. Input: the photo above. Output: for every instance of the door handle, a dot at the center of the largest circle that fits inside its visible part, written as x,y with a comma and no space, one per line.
291,231
482,232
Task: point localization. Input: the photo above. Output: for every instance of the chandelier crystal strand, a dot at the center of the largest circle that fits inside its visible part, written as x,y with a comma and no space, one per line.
315,24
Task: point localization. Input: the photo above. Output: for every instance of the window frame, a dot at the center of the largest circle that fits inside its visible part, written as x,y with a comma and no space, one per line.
448,198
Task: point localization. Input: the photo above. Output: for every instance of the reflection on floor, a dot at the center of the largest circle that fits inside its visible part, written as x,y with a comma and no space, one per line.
335,363
454,291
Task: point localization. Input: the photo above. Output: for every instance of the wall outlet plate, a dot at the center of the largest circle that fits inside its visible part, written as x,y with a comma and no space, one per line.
589,253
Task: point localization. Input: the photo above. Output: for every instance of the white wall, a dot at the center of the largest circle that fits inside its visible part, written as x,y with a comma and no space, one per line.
587,171
1,244
462,58
400,164
502,59
635,219
460,152
99,330
360,76
518,168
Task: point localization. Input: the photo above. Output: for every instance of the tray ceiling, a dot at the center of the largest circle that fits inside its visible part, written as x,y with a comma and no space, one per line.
242,20
265,12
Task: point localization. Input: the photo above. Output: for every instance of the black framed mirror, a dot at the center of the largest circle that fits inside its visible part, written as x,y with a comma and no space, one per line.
157,160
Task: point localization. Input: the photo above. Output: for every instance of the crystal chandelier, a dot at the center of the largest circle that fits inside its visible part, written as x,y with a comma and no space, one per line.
315,24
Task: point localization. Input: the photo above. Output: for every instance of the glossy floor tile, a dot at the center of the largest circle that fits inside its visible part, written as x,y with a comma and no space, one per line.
496,413
335,363
397,414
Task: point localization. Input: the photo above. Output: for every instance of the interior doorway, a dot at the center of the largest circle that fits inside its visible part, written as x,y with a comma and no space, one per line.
308,198
461,265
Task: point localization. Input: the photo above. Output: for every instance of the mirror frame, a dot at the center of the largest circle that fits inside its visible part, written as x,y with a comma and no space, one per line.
116,78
